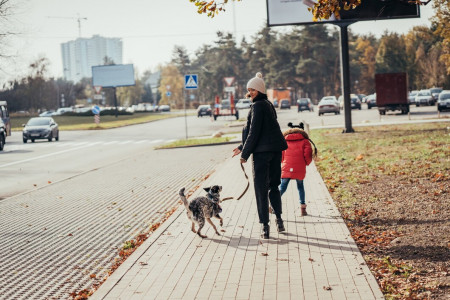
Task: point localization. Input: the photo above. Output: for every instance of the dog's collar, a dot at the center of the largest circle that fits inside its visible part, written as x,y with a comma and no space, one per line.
211,197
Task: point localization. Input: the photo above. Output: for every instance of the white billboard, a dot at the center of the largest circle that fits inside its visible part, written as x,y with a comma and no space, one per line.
295,12
113,75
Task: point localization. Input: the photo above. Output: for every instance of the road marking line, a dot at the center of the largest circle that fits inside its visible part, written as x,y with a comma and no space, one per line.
109,143
44,156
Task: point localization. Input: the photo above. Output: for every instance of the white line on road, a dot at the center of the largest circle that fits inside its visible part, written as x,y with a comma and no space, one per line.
44,156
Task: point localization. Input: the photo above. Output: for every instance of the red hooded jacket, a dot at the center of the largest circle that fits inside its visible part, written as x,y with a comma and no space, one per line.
297,156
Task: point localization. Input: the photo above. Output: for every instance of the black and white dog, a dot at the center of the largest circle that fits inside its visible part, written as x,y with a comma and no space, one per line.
203,208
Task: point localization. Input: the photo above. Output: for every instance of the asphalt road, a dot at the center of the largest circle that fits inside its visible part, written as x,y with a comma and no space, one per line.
35,165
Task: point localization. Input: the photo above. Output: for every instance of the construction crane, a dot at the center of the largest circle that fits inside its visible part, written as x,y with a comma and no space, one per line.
72,18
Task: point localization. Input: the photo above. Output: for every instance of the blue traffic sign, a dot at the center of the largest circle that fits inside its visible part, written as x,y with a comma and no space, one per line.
191,81
95,109
168,94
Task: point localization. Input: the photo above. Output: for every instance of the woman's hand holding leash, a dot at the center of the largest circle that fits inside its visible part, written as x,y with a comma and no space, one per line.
236,151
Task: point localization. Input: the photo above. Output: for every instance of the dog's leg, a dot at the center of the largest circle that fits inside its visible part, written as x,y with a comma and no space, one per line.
220,218
193,228
200,226
212,224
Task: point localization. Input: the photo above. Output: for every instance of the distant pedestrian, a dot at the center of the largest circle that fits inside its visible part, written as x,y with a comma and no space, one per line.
263,138
295,158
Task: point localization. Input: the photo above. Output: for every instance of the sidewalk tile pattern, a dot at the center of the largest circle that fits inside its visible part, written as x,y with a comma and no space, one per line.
315,258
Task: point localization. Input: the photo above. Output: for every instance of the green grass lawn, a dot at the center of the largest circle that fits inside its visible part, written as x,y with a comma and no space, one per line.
195,142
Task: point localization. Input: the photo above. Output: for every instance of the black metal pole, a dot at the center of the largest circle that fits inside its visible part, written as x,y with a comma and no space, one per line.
345,77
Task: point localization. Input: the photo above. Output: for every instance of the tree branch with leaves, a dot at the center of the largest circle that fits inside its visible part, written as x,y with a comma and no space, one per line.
320,9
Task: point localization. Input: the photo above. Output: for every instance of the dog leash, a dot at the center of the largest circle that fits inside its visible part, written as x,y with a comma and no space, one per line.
246,188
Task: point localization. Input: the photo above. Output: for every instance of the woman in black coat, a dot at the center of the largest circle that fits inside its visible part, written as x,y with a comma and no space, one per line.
263,138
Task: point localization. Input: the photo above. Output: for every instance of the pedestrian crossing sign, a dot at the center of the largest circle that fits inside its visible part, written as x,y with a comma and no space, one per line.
191,81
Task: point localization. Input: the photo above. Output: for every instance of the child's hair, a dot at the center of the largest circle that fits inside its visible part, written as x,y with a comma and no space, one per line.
302,127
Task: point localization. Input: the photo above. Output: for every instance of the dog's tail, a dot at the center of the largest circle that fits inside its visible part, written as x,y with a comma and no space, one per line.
183,198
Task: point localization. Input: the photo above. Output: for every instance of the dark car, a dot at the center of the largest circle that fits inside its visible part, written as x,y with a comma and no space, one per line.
2,135
435,92
371,101
285,103
204,110
44,128
355,103
444,101
304,104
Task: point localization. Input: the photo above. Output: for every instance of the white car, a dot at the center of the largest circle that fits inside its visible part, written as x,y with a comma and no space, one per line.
412,97
243,103
424,97
328,104
48,113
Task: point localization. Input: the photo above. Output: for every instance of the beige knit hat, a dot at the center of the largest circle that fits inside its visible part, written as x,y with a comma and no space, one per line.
257,83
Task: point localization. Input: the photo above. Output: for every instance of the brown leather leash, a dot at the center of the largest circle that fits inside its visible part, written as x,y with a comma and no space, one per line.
246,188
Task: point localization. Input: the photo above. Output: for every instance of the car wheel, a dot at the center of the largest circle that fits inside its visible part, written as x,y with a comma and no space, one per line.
57,137
25,141
32,140
2,142
417,105
50,137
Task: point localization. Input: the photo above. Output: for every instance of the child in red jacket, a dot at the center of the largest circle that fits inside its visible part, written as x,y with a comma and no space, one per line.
295,158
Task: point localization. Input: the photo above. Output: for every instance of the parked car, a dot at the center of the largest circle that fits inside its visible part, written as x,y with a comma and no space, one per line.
243,103
40,128
47,113
204,110
354,102
304,104
2,135
61,111
444,101
330,98
412,97
164,108
362,97
285,103
328,105
435,92
371,101
424,97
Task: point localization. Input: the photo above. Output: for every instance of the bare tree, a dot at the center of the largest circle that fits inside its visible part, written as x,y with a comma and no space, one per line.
5,14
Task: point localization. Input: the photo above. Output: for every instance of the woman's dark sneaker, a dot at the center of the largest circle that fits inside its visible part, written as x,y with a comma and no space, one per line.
265,231
280,225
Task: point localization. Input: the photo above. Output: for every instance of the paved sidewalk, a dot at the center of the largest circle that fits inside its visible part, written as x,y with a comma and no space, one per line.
315,258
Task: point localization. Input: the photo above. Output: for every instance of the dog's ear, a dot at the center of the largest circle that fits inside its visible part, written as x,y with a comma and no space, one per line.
207,189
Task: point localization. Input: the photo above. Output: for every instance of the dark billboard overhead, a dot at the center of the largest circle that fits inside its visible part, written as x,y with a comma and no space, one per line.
295,12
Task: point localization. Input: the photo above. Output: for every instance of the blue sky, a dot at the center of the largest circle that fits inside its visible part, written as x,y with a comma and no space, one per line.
149,29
